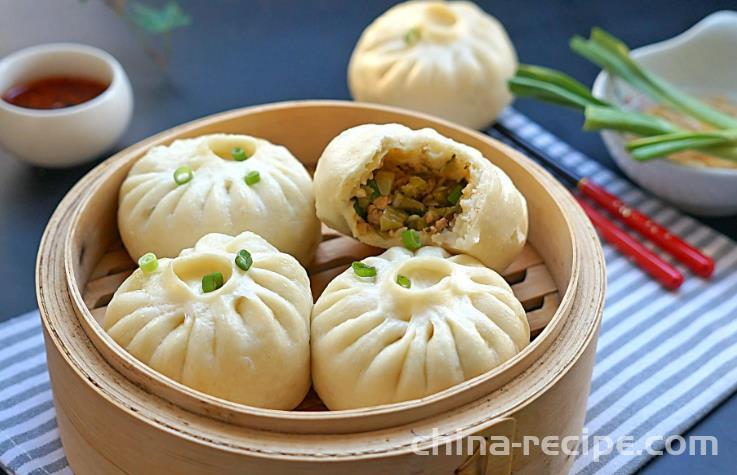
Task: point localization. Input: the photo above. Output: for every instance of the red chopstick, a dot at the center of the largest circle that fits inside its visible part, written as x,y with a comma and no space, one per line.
701,264
685,253
646,259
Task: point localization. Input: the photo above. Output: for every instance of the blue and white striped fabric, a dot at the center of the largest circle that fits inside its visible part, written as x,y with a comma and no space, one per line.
29,440
664,359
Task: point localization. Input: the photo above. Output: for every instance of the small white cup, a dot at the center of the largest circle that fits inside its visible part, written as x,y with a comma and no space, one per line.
70,135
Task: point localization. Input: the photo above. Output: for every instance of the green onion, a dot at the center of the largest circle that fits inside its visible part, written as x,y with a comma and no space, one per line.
558,88
411,239
359,209
252,178
663,145
148,263
454,196
363,270
243,259
212,282
238,154
562,80
612,54
183,175
598,118
404,281
552,86
375,193
412,36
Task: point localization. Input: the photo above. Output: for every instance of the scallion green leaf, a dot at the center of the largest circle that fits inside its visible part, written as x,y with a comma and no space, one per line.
612,54
454,195
148,263
404,281
363,270
411,239
375,193
212,282
252,178
598,118
238,154
663,145
243,259
359,209
183,175
552,86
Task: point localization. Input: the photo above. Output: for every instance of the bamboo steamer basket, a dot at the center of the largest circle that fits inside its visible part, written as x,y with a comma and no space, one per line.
115,415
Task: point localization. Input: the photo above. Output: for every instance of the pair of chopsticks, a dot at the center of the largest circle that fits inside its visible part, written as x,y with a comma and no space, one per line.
670,277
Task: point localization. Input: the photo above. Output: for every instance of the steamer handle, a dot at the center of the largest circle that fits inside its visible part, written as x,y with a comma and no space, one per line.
498,433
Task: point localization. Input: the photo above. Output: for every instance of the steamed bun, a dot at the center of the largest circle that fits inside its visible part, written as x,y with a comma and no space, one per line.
375,182
375,341
449,59
247,341
156,214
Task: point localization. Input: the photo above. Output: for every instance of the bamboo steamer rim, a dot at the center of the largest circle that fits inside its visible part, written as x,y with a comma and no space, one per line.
305,421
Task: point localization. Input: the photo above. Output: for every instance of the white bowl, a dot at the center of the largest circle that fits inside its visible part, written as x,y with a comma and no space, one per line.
72,135
702,59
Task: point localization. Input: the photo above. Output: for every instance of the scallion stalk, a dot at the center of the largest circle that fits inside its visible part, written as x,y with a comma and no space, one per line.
558,88
612,54
561,81
663,145
599,118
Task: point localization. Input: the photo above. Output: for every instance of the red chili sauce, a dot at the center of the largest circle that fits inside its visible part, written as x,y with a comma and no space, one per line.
54,92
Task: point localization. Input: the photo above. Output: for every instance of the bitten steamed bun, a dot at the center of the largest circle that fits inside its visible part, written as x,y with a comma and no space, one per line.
449,59
225,184
246,341
423,322
376,182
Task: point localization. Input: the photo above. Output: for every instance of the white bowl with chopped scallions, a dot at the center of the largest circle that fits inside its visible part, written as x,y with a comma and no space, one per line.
700,62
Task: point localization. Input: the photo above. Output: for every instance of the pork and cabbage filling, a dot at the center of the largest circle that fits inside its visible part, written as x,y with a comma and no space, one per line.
405,194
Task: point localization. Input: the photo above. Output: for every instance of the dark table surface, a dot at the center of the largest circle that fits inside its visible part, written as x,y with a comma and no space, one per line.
251,52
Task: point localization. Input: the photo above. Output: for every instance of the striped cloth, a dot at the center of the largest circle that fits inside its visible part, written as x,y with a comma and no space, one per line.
664,359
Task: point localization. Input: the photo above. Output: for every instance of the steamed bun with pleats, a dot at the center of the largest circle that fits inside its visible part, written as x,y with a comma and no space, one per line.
449,59
220,183
244,339
378,182
404,325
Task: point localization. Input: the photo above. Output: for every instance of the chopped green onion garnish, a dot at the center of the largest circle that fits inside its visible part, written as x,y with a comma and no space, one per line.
244,259
212,282
404,281
238,154
412,36
183,175
148,263
411,239
363,270
252,178
454,195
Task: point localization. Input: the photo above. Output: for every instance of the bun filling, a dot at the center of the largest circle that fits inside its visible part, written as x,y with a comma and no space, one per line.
410,192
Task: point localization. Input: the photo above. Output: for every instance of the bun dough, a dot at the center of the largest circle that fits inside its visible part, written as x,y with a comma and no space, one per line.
247,342
157,215
449,59
490,223
375,342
